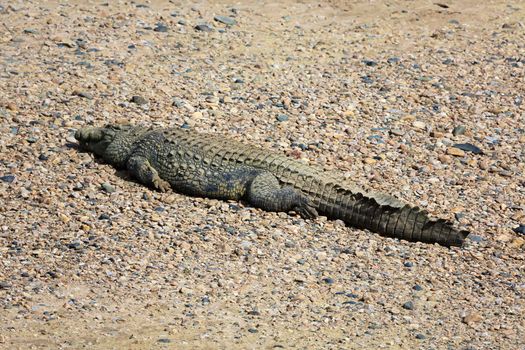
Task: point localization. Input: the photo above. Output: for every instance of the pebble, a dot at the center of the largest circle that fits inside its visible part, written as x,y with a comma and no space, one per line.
459,130
419,124
420,336
282,118
83,94
409,305
453,151
468,148
471,318
164,340
8,178
139,100
107,187
161,28
204,27
520,229
225,20
397,132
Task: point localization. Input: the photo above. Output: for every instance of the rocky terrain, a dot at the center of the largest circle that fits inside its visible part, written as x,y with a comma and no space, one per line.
419,99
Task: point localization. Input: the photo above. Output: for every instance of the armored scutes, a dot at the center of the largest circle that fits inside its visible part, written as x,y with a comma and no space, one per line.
214,166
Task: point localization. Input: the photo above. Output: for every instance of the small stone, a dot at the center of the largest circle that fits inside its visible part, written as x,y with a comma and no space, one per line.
104,216
204,27
164,340
108,187
408,305
369,161
471,318
253,330
420,336
453,151
520,229
182,22
459,130
419,124
83,94
370,63
392,60
4,285
328,280
467,147
282,118
445,159
7,178
408,264
139,100
517,242
397,132
161,28
417,288
225,20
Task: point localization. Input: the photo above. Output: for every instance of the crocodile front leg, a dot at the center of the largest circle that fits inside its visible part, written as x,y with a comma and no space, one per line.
142,170
266,192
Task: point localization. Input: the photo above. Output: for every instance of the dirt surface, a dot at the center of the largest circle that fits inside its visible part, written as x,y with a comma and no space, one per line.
372,90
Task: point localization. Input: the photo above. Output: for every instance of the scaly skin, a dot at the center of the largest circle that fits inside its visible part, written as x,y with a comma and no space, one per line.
217,167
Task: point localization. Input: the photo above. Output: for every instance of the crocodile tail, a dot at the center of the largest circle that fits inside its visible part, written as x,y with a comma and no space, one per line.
403,221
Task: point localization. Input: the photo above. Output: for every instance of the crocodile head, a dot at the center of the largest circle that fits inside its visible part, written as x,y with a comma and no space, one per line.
105,141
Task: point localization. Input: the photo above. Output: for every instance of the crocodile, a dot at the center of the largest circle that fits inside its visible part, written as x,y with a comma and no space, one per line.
215,166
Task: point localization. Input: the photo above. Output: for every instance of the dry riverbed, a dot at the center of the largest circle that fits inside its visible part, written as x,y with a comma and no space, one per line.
378,91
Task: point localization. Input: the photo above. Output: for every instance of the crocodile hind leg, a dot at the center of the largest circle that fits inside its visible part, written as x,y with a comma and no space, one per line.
266,192
142,170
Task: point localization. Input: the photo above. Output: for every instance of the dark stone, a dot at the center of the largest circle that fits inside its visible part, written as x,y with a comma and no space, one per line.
370,63
408,264
74,245
141,6
8,178
104,216
139,100
352,295
408,305
83,94
459,216
392,60
366,79
468,147
43,157
420,336
253,330
417,287
52,274
30,31
159,209
459,130
204,27
328,280
282,118
4,285
238,81
182,22
448,61
161,28
225,20
164,340
520,229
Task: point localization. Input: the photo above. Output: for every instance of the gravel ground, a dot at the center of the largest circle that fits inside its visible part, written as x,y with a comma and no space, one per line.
379,91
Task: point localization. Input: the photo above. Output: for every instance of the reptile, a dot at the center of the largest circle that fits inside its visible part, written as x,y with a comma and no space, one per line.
215,166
